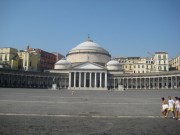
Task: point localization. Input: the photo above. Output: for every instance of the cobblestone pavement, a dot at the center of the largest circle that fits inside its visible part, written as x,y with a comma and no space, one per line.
63,112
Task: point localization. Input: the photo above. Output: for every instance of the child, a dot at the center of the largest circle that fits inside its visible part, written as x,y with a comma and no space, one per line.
171,105
164,107
177,108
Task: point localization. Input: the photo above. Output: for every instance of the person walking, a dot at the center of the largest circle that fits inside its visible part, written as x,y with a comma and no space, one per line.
164,107
171,105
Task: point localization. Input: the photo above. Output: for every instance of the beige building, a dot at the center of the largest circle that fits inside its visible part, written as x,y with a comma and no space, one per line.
161,62
174,64
157,63
29,60
136,64
144,65
9,58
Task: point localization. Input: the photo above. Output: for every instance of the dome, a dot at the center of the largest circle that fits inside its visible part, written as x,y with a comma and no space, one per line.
88,51
114,65
62,64
89,46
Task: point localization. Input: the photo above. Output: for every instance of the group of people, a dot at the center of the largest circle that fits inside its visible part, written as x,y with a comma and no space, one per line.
171,106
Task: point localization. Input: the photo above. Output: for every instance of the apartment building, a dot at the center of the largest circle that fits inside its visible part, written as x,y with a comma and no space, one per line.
174,64
9,58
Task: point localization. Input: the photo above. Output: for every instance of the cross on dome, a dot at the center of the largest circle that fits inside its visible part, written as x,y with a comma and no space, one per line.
89,39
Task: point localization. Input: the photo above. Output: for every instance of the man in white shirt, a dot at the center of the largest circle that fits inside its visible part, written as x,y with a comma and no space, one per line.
171,105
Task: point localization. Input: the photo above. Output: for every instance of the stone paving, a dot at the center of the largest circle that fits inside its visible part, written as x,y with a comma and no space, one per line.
43,111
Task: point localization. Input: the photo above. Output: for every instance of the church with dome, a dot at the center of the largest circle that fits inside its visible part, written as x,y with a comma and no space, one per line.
87,66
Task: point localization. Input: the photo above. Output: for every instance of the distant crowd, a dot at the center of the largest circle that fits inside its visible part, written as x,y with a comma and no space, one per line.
172,106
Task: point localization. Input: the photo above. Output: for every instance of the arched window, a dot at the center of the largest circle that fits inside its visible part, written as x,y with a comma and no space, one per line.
164,68
164,57
159,56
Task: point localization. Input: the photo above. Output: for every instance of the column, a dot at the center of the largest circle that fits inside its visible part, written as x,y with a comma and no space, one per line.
114,83
153,83
105,80
144,83
136,82
95,83
100,79
124,83
60,83
176,82
70,80
158,82
79,79
90,79
127,83
65,82
162,83
74,79
171,82
84,79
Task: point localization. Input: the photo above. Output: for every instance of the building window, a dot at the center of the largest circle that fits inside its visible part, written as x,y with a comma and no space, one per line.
134,66
159,62
164,57
159,56
138,66
159,67
164,62
30,63
5,57
142,66
164,68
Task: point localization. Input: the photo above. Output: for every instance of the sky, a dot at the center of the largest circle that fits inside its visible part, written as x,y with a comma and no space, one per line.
126,28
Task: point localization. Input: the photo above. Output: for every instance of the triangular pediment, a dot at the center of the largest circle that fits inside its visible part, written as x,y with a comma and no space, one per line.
88,65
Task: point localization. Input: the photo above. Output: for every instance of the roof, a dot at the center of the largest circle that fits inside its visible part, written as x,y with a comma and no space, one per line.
63,62
88,46
113,63
161,53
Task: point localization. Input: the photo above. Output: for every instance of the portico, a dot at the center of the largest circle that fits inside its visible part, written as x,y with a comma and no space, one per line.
88,76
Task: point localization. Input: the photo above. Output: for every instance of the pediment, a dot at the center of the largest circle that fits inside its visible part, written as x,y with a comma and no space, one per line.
88,65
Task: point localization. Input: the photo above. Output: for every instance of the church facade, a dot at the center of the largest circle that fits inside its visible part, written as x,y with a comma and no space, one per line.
87,66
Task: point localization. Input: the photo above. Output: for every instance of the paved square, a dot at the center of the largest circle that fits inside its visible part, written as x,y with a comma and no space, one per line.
36,111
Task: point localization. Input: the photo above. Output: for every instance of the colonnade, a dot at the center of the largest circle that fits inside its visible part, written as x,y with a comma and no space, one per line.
92,80
147,82
86,80
18,79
